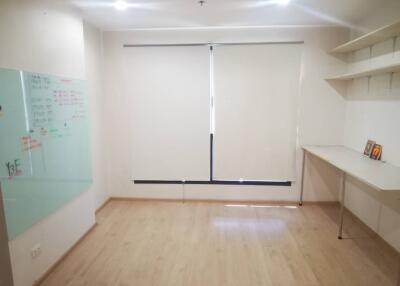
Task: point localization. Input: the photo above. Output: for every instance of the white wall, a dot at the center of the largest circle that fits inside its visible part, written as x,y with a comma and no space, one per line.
373,112
318,99
98,117
47,37
388,13
41,36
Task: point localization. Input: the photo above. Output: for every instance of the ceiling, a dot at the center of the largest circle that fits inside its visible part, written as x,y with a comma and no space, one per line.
189,13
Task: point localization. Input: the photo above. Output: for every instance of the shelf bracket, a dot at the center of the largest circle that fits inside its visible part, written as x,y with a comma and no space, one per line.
370,52
369,82
394,45
391,80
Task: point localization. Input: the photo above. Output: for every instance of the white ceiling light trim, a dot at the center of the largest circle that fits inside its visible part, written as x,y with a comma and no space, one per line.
116,4
154,14
120,5
282,2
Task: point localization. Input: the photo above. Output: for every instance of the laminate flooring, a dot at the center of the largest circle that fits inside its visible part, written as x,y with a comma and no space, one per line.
143,243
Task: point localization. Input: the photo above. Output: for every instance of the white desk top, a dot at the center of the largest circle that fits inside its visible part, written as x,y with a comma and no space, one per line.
379,175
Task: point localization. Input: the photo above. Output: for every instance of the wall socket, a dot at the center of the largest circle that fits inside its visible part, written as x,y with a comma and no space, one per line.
36,251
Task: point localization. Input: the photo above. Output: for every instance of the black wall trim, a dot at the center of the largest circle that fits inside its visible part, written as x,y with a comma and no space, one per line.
215,182
167,182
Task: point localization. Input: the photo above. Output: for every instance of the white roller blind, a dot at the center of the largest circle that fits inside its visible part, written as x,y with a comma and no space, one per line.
256,95
170,111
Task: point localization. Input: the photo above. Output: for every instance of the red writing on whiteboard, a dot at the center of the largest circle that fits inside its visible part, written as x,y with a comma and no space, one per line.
29,143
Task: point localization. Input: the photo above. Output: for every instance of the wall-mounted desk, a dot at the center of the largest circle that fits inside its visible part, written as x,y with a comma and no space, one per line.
381,176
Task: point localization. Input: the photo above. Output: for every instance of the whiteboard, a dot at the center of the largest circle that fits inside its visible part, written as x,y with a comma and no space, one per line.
44,146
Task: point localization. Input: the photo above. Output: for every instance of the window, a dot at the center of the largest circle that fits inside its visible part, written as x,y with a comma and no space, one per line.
252,113
256,90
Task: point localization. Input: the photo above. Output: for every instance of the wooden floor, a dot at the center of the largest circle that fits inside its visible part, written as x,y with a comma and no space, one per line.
206,244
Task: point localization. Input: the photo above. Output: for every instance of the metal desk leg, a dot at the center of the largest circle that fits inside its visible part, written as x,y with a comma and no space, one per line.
342,206
302,178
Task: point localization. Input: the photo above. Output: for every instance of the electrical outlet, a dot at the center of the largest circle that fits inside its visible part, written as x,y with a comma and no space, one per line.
36,251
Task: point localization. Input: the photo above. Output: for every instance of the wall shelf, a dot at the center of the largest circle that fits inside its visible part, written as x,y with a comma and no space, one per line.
370,39
366,73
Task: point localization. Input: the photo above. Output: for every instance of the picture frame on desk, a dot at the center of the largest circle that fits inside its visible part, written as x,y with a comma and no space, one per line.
368,147
376,152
